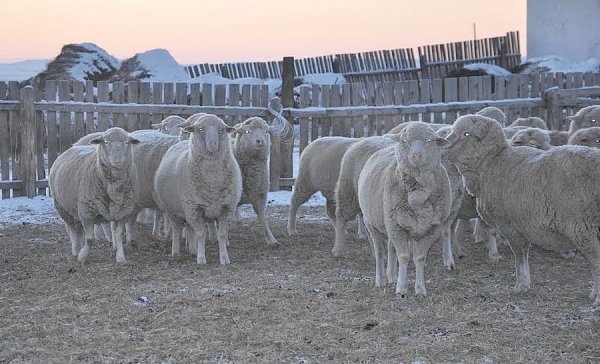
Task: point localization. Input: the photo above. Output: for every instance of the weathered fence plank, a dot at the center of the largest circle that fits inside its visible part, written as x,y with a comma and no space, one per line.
4,142
15,139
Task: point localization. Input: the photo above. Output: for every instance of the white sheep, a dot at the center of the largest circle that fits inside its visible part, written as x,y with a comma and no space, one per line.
589,137
96,184
530,122
561,216
404,194
170,125
587,117
532,137
251,143
198,182
494,113
318,171
346,188
398,128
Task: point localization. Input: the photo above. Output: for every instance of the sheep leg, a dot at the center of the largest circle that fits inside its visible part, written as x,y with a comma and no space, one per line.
222,236
458,234
339,247
377,240
589,245
362,230
400,243
480,231
330,208
176,227
119,231
88,229
74,236
492,245
448,259
131,229
520,248
260,207
419,252
156,222
298,198
391,270
199,236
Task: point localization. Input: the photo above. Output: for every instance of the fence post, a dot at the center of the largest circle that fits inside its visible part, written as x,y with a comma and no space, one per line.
424,67
28,140
287,100
553,111
503,53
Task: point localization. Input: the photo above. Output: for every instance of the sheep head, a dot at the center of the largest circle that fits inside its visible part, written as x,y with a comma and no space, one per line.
587,117
418,146
170,125
252,138
589,137
208,135
532,122
494,113
531,137
472,139
115,148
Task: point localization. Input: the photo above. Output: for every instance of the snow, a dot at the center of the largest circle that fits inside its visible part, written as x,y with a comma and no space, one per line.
324,78
559,64
162,66
21,71
490,69
95,61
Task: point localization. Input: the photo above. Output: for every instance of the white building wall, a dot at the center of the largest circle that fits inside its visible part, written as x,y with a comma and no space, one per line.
565,28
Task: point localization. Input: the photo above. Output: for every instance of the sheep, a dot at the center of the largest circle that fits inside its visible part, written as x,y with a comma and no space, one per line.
532,137
589,137
147,156
398,128
346,188
169,125
96,184
531,122
587,117
558,137
560,215
510,131
463,210
251,144
199,181
494,113
318,170
404,194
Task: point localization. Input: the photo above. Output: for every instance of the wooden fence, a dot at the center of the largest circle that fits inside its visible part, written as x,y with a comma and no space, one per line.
435,61
35,129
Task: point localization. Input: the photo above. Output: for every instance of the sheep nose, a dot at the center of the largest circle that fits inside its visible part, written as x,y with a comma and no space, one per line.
260,142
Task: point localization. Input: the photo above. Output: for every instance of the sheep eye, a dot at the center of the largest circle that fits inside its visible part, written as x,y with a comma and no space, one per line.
593,120
221,130
517,143
404,141
200,129
247,131
467,133
106,142
597,140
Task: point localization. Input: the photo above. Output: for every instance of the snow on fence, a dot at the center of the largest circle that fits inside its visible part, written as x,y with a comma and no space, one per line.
35,128
435,61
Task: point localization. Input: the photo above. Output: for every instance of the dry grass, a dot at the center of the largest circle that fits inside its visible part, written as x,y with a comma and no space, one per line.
294,304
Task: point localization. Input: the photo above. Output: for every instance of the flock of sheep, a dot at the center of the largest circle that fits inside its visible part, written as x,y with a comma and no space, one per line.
422,183
417,185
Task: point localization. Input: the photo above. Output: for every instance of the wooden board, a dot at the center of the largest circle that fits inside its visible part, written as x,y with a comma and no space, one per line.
103,97
78,125
90,127
15,138
133,119
4,141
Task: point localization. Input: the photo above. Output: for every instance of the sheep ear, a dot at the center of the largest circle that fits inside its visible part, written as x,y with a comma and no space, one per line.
394,137
188,129
134,141
156,126
98,140
230,129
441,142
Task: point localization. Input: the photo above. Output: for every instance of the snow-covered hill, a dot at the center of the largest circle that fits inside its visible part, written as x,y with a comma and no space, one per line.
156,65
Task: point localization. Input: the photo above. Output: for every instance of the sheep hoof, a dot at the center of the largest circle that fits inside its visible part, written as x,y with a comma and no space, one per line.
291,231
495,257
570,254
402,295
273,244
449,267
120,260
338,252
224,261
521,288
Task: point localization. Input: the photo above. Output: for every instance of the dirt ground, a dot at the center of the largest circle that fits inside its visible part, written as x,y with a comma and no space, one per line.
295,304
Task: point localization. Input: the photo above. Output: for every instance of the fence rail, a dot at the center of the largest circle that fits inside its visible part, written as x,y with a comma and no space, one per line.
34,130
434,61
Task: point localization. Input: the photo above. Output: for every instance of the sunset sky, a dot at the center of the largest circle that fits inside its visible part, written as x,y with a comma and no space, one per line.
247,30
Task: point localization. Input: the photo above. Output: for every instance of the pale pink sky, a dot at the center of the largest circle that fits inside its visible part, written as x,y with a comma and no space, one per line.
198,31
